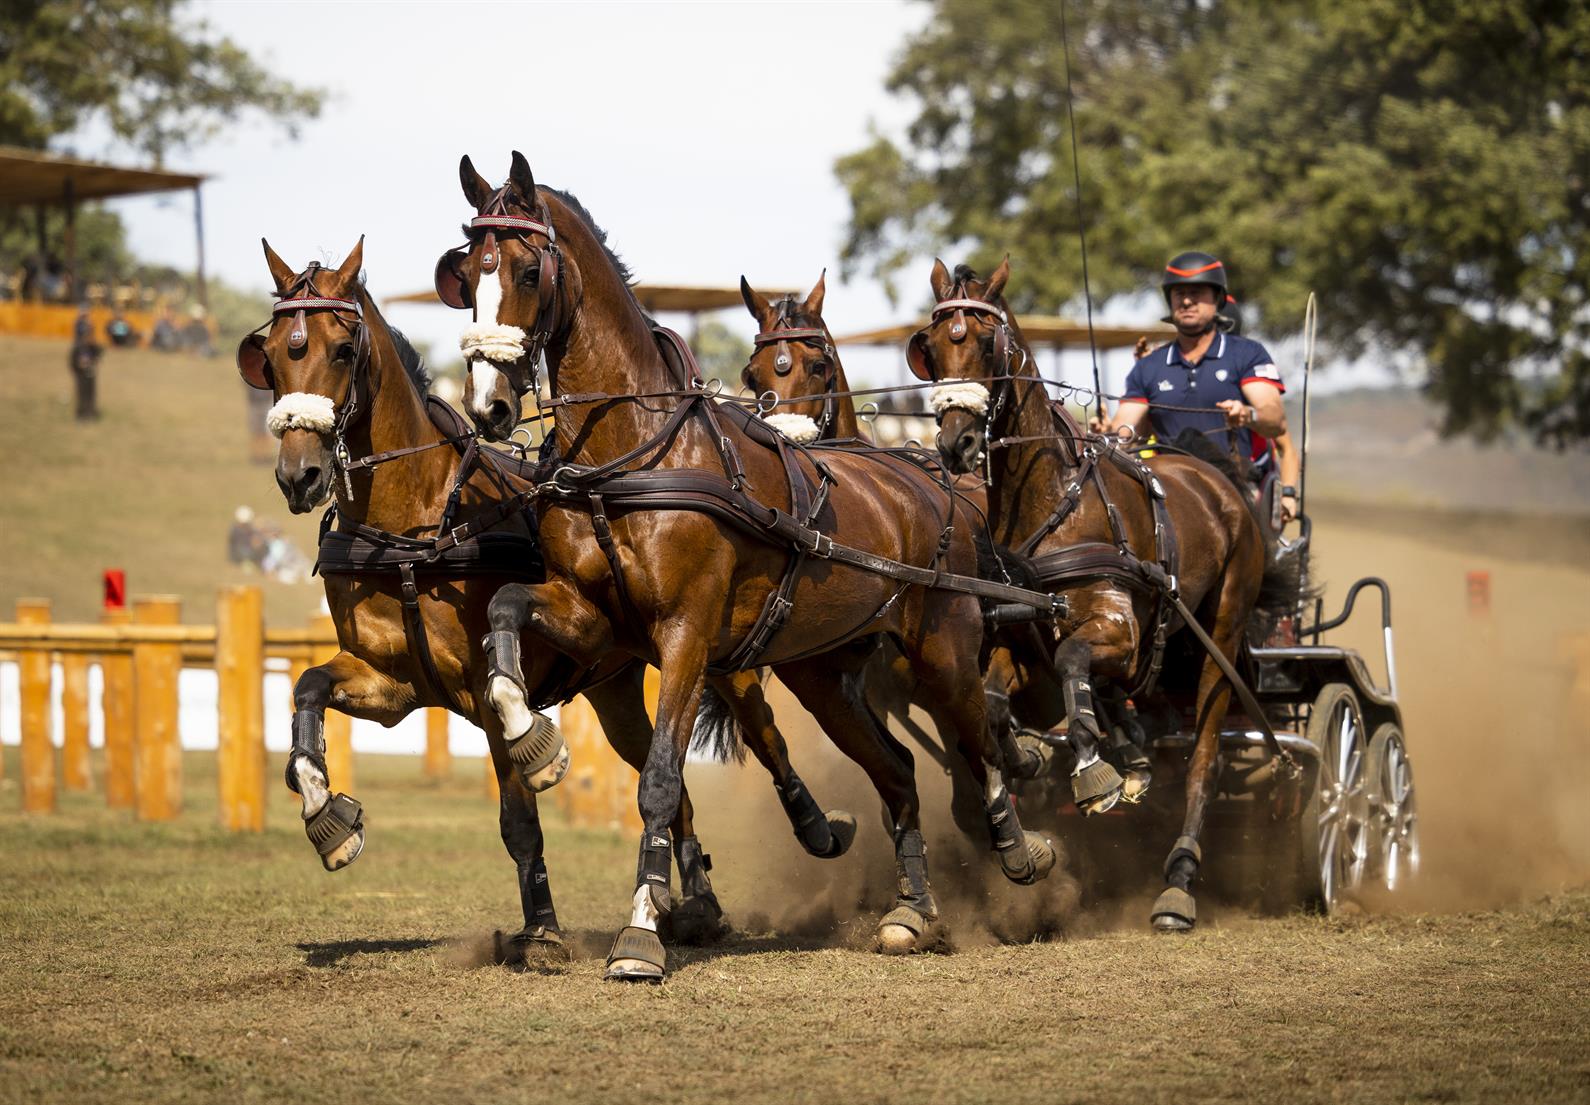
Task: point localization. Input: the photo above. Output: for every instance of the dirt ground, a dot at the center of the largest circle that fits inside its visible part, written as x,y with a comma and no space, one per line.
178,963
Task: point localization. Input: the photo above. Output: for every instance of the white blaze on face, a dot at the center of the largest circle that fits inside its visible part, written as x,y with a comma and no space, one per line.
483,374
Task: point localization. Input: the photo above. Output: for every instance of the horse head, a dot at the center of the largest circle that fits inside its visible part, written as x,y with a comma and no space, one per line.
314,357
518,283
967,341
793,355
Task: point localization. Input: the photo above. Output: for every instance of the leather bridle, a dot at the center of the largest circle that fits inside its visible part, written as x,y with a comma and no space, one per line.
780,336
494,220
955,310
300,299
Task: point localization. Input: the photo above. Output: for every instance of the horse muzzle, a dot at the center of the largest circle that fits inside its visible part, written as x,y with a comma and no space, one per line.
303,470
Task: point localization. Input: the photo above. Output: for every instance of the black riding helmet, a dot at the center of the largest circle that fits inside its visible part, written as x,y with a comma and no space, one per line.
1193,267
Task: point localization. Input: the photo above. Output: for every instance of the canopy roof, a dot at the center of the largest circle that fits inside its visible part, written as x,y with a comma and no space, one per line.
32,176
1038,329
652,297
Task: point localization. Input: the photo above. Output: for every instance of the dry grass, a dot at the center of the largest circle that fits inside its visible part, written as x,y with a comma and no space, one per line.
149,488
179,963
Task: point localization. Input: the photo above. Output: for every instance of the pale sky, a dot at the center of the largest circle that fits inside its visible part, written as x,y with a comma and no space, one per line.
701,136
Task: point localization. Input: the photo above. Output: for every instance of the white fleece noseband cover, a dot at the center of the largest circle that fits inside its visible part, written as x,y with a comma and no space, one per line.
964,395
301,410
797,427
492,342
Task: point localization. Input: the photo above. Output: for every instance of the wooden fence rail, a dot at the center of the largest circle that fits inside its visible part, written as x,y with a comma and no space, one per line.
141,654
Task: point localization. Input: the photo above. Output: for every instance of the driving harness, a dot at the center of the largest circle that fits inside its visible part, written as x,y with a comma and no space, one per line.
1093,561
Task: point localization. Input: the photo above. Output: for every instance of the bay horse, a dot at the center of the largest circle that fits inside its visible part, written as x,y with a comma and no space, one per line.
1113,533
664,561
355,424
794,358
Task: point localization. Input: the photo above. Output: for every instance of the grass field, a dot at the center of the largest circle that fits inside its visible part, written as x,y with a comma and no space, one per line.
177,963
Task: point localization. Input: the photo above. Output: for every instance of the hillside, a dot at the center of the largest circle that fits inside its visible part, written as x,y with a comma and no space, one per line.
150,488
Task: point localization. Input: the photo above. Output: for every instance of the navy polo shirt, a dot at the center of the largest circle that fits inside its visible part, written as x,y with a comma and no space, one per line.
1164,376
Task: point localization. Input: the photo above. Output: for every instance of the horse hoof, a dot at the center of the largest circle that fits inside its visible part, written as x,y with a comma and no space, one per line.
550,775
1174,911
1135,785
1096,788
1040,857
637,956
1037,759
345,853
843,827
696,921
901,930
530,946
336,830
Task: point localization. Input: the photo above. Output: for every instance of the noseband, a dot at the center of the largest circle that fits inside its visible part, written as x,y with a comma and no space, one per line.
781,335
453,290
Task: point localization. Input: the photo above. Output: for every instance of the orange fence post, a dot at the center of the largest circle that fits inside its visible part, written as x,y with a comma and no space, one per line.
240,707
339,726
75,773
599,792
38,744
117,669
157,743
493,791
438,754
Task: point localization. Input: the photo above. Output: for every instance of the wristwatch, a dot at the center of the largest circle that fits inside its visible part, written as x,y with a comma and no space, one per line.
1288,489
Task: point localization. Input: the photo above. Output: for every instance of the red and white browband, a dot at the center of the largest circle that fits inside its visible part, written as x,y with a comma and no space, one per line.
766,337
314,303
513,222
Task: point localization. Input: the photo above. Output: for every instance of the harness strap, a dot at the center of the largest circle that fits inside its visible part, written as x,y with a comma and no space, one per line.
414,625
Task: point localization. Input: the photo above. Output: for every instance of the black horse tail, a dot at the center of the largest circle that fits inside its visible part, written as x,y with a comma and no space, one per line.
716,733
1001,565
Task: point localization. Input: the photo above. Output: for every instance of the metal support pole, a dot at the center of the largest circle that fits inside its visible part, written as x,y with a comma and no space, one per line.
198,232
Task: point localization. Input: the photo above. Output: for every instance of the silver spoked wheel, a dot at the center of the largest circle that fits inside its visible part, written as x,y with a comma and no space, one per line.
1336,827
1393,810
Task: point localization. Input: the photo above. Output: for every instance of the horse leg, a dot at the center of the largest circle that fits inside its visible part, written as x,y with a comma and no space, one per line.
848,721
1175,909
637,953
334,822
620,705
1095,785
826,835
521,835
950,677
535,744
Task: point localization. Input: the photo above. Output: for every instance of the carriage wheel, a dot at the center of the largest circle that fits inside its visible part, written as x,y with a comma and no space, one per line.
1335,827
1393,810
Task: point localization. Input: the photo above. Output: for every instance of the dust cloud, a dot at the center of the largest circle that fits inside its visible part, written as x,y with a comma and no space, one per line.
1495,706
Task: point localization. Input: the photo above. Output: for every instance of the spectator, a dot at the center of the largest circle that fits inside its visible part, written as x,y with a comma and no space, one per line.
165,337
120,331
84,363
196,334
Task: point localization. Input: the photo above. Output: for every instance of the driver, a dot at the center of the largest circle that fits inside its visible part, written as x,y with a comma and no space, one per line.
1205,381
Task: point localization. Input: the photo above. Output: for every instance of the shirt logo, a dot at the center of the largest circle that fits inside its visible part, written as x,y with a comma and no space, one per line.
1166,385
1267,372
1220,374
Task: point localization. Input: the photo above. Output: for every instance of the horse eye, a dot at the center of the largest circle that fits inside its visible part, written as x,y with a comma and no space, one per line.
345,352
531,276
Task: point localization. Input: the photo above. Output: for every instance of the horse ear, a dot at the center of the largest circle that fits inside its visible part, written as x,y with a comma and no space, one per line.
476,189
348,271
755,301
996,282
520,177
281,271
943,286
814,302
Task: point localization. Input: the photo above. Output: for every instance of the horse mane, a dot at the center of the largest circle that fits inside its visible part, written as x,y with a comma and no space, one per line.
413,364
578,209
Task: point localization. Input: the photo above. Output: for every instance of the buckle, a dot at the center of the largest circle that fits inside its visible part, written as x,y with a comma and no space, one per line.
818,549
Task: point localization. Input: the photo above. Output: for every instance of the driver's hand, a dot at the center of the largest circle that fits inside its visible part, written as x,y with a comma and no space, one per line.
1140,350
1288,509
1097,425
1238,414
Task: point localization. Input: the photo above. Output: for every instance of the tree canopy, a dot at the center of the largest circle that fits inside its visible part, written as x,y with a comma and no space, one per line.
1420,164
158,80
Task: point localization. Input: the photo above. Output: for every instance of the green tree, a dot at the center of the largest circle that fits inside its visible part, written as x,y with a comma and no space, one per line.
159,80
721,353
1421,164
